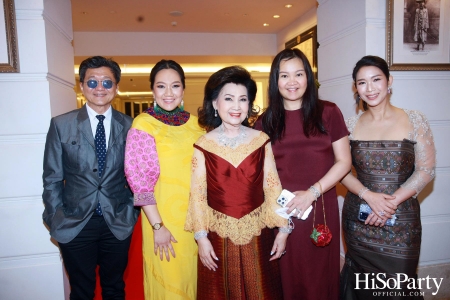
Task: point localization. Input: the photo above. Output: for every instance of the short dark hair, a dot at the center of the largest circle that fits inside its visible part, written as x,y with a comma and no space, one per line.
166,64
369,61
95,62
273,119
215,83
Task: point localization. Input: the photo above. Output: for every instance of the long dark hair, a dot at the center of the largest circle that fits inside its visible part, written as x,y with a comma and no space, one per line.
215,83
166,64
369,61
273,119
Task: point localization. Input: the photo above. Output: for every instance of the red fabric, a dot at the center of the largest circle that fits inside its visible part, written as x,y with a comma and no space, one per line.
308,271
234,191
134,274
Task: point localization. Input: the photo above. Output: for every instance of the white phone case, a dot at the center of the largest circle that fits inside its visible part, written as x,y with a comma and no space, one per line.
284,199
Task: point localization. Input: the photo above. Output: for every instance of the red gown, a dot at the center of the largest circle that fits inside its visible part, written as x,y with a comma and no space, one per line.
307,271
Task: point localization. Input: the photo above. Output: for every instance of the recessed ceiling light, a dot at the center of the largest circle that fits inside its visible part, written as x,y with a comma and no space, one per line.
84,13
245,15
265,24
176,13
288,5
276,16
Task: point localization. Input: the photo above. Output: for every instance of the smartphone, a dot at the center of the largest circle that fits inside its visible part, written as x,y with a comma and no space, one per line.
365,210
284,199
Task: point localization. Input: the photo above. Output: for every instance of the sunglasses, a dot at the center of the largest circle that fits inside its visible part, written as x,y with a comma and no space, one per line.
107,84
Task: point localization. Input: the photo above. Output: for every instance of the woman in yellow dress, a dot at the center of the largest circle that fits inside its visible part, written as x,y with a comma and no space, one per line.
159,144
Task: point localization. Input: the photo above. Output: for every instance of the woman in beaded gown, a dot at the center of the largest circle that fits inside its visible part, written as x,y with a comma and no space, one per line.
394,157
233,196
157,165
310,144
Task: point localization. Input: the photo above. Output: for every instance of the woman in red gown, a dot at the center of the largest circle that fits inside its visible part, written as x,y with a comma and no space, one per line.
233,196
311,149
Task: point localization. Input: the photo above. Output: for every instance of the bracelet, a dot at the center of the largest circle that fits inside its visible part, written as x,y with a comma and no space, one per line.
200,234
361,192
285,230
315,192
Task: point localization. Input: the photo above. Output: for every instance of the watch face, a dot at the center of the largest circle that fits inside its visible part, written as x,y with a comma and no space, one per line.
157,226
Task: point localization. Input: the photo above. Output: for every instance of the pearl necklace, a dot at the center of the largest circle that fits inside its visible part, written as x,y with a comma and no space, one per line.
234,141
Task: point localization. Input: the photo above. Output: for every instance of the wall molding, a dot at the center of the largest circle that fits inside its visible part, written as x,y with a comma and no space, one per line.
56,79
21,200
433,219
343,33
29,14
376,22
22,139
24,77
337,81
67,35
408,75
30,260
432,263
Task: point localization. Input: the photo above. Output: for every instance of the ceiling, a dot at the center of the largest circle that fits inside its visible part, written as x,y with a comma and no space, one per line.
214,16
208,16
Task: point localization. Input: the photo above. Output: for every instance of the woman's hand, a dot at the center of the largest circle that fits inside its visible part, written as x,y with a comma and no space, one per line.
383,207
279,245
163,240
206,253
301,202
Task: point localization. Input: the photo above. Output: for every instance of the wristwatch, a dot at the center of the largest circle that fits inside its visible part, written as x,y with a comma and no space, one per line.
157,226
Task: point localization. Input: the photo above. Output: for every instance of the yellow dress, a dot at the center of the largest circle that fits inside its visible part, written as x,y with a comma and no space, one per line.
176,279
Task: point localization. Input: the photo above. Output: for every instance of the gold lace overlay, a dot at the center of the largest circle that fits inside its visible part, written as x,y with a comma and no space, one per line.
240,231
424,149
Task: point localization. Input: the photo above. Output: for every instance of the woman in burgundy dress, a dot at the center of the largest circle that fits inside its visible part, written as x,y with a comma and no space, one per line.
233,196
311,149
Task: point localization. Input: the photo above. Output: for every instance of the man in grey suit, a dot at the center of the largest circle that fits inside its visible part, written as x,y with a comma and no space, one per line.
88,205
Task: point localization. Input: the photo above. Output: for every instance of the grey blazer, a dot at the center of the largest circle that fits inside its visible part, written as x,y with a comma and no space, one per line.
72,187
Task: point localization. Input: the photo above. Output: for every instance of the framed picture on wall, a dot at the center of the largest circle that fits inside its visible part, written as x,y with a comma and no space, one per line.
9,61
417,35
307,43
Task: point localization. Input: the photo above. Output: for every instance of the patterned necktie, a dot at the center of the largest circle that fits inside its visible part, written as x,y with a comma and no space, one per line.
100,148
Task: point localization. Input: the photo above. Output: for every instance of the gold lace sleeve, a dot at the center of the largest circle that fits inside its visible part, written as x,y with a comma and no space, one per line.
425,152
272,189
197,214
201,217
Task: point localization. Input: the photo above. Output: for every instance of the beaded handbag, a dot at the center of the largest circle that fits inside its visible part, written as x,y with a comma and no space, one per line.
321,234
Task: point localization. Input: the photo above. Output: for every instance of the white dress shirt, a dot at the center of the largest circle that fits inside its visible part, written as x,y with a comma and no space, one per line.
94,122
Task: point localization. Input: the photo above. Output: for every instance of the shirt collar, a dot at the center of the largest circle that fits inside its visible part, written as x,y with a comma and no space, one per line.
92,113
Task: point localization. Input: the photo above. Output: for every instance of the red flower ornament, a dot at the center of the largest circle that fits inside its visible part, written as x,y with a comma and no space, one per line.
321,235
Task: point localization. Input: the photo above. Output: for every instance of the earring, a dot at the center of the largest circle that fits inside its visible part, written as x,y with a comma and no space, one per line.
182,105
389,90
155,105
215,113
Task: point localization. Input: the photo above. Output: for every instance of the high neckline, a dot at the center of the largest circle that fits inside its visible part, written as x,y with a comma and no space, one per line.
177,117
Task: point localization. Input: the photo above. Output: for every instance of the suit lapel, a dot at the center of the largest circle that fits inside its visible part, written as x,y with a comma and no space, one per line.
84,126
116,128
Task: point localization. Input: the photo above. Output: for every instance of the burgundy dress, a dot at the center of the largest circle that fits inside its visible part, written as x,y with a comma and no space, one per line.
308,271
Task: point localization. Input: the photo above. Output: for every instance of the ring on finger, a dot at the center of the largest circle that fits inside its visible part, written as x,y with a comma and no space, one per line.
381,213
284,252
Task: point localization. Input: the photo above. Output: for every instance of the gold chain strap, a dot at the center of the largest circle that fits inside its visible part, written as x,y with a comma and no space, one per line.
323,206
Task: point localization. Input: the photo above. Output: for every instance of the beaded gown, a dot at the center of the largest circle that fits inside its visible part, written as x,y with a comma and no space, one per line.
384,166
158,169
